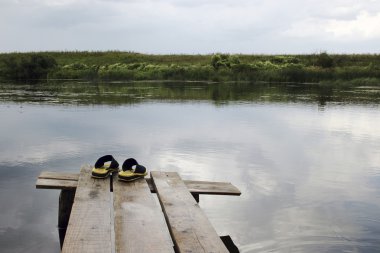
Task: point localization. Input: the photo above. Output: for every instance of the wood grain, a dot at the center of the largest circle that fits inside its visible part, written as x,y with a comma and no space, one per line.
89,228
211,188
139,223
57,180
43,183
190,229
59,175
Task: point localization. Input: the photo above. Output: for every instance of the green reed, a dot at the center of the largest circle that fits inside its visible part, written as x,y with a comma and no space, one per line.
116,65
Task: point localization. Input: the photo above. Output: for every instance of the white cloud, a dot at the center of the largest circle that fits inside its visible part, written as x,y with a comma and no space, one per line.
310,27
189,26
363,27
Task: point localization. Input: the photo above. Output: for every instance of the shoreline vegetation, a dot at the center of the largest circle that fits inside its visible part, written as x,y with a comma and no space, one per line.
355,69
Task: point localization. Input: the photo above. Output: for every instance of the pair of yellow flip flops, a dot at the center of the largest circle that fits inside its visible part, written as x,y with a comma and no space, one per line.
107,164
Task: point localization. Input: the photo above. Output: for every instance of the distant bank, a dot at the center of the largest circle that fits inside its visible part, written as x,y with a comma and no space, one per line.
114,65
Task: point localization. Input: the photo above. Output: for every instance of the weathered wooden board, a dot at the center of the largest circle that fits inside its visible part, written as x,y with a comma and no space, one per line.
89,228
211,188
205,187
59,175
43,183
139,223
56,180
190,229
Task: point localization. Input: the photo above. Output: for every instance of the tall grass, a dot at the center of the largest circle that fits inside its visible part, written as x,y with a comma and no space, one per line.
116,65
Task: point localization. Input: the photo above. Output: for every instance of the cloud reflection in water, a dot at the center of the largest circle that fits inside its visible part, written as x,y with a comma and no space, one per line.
310,178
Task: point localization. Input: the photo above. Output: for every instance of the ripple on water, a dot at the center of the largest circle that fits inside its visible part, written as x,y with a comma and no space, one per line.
313,244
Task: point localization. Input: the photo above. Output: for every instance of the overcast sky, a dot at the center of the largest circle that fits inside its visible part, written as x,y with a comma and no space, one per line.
191,26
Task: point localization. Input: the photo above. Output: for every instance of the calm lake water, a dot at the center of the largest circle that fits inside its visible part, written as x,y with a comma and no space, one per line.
306,157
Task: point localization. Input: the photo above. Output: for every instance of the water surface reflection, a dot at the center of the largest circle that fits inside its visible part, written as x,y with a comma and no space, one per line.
306,159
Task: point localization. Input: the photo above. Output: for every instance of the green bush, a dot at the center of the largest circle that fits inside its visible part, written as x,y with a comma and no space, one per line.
29,67
223,60
324,60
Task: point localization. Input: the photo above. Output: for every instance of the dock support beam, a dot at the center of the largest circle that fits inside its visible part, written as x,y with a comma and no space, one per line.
66,200
195,196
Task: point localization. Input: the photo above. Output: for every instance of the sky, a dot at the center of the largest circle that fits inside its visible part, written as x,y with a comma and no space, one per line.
191,26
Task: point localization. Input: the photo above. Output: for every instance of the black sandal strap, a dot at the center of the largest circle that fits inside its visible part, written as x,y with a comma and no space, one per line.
107,158
127,165
140,169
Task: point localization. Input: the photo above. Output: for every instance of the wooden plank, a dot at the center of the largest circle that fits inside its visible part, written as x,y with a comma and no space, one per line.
196,187
59,175
57,180
89,228
212,188
139,223
56,184
190,229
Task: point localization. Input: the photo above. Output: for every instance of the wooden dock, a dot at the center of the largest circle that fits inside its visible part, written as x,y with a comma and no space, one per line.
107,215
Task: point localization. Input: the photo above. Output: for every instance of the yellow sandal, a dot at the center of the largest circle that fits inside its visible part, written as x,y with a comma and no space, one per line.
128,173
103,168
